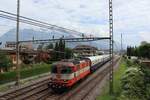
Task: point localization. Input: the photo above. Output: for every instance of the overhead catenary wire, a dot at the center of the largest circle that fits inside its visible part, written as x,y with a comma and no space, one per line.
30,22
55,27
25,21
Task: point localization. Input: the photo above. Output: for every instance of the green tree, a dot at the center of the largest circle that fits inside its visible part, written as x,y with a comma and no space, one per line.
61,52
144,50
5,62
55,53
49,46
68,53
129,51
136,51
64,45
132,51
61,49
146,70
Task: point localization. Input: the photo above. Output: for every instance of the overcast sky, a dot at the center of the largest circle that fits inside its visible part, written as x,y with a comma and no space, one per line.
131,17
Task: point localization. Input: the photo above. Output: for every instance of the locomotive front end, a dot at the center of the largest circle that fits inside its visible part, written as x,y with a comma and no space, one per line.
61,76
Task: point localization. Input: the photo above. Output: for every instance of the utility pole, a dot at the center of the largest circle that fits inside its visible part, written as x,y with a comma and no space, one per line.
121,45
17,44
111,47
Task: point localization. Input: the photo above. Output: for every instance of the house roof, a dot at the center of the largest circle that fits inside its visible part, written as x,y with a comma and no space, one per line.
85,46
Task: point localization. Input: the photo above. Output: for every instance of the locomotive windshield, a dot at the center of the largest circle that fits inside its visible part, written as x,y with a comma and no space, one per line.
66,70
62,70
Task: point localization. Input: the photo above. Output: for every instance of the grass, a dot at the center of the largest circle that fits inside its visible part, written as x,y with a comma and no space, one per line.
117,85
25,73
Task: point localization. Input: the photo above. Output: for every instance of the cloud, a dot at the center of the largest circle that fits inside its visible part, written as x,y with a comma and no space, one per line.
74,14
145,36
131,18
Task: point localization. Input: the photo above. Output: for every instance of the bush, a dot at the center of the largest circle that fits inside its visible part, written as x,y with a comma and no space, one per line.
148,91
146,70
129,63
132,84
5,62
35,70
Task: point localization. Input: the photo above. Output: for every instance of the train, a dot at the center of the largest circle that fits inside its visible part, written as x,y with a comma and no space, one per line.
66,73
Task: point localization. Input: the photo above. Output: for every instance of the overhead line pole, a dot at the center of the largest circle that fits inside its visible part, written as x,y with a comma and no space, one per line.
111,46
17,44
68,40
121,45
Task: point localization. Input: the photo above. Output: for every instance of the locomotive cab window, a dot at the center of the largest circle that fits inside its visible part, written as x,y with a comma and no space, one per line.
66,70
63,70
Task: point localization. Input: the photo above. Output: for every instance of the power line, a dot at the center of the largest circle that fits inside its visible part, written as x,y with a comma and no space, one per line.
25,21
32,23
40,22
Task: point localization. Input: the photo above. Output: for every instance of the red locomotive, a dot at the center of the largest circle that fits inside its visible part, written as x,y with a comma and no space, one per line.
65,73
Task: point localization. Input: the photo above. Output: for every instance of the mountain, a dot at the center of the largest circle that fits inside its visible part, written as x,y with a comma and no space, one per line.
28,34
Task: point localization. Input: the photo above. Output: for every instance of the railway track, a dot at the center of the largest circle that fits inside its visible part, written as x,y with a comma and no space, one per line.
40,91
26,91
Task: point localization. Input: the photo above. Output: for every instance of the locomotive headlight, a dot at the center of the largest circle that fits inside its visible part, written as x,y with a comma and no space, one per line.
65,80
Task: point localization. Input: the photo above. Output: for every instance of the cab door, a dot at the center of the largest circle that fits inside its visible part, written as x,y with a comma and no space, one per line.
77,73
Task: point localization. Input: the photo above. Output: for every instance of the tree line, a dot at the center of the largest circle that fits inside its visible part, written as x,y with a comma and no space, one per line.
59,51
143,51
